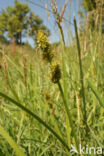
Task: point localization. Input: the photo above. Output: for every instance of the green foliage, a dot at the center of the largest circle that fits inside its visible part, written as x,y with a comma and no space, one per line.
89,5
11,142
3,22
17,20
3,39
27,93
36,24
59,115
14,20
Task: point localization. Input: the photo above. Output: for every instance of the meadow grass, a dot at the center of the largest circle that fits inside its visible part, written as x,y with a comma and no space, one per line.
40,118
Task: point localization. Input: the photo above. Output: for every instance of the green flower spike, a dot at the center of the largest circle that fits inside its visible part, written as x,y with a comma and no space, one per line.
45,46
55,72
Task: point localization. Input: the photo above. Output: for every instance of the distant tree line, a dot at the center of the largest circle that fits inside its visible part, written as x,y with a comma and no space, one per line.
18,21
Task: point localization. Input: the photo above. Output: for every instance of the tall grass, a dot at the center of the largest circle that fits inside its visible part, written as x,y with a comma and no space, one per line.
60,110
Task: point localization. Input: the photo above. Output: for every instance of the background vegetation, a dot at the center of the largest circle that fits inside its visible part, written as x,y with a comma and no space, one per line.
51,96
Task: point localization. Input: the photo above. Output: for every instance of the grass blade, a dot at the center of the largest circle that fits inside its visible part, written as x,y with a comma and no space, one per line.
81,71
15,147
96,93
36,117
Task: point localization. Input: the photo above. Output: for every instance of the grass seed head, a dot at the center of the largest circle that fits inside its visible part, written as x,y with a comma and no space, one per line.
55,72
42,40
45,46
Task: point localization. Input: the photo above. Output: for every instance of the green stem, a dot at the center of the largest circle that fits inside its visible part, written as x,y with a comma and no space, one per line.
67,111
81,75
64,100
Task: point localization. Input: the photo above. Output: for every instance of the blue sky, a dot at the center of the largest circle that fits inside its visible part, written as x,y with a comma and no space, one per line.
71,10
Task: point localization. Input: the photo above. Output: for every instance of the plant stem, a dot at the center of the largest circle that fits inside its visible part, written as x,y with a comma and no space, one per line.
81,76
67,111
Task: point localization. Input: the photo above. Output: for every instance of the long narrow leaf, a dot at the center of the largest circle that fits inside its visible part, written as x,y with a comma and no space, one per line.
36,117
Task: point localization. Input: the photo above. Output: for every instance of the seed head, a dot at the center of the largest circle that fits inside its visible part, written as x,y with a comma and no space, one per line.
42,41
55,72
45,46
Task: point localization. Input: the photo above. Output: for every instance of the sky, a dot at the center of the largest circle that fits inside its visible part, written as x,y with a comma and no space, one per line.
71,10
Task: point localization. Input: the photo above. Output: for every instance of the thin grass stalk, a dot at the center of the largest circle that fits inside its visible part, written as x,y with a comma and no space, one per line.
78,102
81,76
64,94
36,117
64,100
25,71
59,17
67,112
61,31
68,119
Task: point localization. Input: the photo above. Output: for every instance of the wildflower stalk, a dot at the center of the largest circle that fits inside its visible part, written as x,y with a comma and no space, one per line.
81,77
55,75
